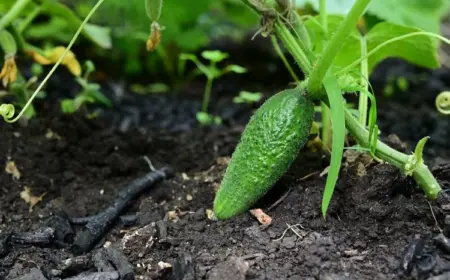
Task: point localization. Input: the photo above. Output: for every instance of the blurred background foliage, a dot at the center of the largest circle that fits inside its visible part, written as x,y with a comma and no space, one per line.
120,28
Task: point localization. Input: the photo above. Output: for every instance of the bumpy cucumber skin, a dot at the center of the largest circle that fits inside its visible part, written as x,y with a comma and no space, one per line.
268,146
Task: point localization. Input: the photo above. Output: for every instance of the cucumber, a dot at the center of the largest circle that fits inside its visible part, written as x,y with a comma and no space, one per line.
268,146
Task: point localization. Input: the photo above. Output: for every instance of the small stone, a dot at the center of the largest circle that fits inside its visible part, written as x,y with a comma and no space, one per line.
289,242
189,197
34,274
184,268
199,215
210,214
164,265
233,269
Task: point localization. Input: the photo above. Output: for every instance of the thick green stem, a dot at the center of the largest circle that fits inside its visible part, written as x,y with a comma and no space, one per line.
300,29
335,45
292,46
13,13
323,15
30,17
421,174
207,95
326,121
363,98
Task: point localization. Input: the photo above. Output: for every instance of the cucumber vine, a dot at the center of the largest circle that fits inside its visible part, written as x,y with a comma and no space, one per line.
326,78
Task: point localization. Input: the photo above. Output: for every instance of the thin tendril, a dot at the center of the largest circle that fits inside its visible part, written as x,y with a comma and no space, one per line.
8,116
443,102
7,111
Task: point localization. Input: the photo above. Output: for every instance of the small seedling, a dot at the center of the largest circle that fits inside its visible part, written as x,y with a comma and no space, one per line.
211,72
90,93
248,97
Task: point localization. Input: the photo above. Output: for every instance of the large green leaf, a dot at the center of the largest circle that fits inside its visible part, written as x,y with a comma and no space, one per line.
420,50
98,34
423,14
351,49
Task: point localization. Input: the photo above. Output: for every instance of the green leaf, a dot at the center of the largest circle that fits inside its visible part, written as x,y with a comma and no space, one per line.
97,34
68,106
204,118
235,68
247,97
337,107
99,97
190,39
337,7
420,50
351,49
214,56
423,14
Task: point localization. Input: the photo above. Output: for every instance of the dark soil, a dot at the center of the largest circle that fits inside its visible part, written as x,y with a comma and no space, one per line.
81,165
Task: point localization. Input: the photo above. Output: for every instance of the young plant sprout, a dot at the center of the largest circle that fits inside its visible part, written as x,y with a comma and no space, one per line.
248,97
90,93
211,72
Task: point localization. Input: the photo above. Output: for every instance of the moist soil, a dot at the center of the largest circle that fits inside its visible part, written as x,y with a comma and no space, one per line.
377,215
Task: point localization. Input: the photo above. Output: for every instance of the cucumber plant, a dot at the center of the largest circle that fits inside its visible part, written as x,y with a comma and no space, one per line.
281,126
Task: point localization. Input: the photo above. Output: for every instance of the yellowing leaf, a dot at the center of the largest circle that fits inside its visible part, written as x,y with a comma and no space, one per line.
30,199
11,168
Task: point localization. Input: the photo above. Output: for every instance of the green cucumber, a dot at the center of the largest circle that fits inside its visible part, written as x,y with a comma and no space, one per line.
268,146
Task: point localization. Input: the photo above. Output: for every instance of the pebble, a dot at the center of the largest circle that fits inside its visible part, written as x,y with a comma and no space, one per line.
232,269
34,274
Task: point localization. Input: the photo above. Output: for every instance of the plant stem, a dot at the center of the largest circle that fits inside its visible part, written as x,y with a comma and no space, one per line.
363,98
421,174
323,15
326,121
13,13
335,45
30,17
280,53
292,46
207,95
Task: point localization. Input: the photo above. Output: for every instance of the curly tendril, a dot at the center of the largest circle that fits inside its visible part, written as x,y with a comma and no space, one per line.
7,111
443,102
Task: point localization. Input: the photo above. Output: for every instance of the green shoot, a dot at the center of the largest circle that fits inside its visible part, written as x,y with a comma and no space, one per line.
90,93
280,53
211,72
248,97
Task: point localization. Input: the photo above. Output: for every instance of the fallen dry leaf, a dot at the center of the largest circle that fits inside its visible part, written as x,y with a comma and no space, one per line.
11,168
52,135
30,198
211,215
262,217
